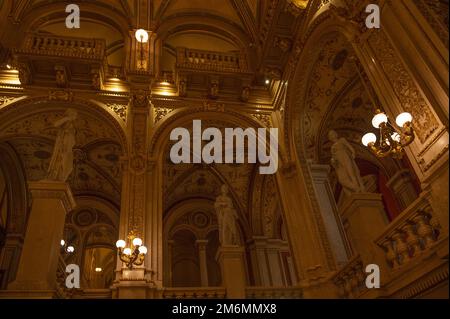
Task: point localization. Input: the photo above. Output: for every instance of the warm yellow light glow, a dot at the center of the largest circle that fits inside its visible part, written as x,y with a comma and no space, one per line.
98,269
403,118
120,243
137,241
379,119
368,138
143,250
70,249
141,35
8,66
63,242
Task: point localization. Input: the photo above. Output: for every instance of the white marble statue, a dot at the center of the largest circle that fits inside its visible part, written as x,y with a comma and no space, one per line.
61,163
343,161
226,216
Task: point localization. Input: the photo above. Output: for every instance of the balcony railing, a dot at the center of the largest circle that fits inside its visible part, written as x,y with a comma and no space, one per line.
350,280
194,293
273,293
411,234
210,60
43,44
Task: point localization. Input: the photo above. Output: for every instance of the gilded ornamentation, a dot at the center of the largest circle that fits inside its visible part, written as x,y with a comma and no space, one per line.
119,109
60,95
5,99
263,118
61,77
140,98
25,76
160,113
411,99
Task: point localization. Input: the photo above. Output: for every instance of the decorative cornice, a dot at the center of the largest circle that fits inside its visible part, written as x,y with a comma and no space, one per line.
53,190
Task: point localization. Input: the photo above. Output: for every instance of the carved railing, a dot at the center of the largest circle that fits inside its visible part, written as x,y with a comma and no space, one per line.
61,289
350,280
210,60
273,293
194,293
411,234
44,44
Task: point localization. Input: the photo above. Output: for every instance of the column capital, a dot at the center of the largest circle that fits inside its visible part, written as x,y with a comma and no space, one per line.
201,243
54,190
357,200
229,251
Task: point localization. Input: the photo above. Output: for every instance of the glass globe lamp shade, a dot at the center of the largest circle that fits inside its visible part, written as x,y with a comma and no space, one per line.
396,137
70,249
368,138
137,242
120,243
127,251
143,250
63,242
141,35
379,119
403,118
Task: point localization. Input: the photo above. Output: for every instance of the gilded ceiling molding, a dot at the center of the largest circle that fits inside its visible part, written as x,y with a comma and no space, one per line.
40,15
209,23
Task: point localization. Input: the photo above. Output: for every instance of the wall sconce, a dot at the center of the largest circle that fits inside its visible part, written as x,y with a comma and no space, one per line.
133,255
142,37
390,140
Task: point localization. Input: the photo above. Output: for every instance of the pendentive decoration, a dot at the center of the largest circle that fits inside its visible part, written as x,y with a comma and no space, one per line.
390,140
133,255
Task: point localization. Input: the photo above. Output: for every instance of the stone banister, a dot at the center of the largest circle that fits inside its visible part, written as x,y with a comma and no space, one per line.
50,45
210,60
412,233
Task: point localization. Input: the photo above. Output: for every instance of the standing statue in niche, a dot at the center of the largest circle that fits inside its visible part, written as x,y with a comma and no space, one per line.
343,161
226,217
61,163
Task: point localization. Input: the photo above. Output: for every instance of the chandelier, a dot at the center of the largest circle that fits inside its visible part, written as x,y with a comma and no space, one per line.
67,248
133,255
390,140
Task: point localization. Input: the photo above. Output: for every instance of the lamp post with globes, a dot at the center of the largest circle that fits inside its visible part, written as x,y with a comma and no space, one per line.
390,140
133,255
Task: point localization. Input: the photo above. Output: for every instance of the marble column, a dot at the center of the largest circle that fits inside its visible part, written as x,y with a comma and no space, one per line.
201,244
366,218
36,275
403,188
259,261
273,255
329,212
232,264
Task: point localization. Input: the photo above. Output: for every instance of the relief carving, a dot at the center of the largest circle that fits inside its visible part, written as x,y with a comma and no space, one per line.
411,99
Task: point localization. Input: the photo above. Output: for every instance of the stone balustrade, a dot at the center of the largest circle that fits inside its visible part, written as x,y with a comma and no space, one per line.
350,280
411,234
210,60
49,45
61,290
194,293
273,293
